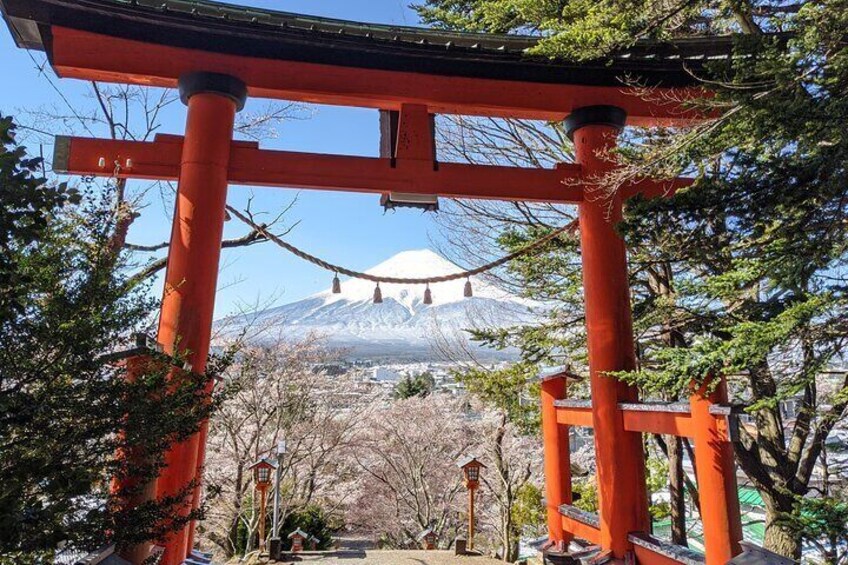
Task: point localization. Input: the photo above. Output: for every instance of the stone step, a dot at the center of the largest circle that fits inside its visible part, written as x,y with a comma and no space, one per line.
589,555
200,556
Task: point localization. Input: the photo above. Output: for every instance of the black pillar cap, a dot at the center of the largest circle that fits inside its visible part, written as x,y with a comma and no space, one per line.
612,116
217,83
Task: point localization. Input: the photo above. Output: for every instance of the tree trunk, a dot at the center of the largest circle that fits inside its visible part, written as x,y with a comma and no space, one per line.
506,543
661,280
677,491
511,551
780,538
233,534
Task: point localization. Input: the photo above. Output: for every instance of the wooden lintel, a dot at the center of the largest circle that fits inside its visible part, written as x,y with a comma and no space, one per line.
642,418
249,165
92,56
581,530
574,416
654,422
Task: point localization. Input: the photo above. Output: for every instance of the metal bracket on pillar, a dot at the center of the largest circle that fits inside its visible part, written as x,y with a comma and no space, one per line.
213,83
612,116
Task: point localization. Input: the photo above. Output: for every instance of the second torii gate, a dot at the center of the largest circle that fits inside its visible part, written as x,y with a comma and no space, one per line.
217,55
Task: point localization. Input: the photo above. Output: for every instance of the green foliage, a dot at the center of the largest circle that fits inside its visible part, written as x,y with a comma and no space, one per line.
511,390
656,481
28,206
575,29
529,508
551,275
312,519
585,493
420,385
66,407
242,533
822,522
494,16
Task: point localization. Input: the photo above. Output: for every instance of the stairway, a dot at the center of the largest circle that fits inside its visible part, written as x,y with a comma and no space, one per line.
198,558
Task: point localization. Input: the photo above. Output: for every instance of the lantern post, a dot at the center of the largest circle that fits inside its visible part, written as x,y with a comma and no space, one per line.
262,470
471,474
275,524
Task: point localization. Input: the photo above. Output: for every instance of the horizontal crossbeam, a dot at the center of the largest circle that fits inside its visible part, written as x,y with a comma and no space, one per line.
91,56
584,525
665,419
652,418
574,413
250,165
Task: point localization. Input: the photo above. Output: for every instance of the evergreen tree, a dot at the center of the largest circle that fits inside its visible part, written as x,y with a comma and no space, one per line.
420,385
66,406
744,274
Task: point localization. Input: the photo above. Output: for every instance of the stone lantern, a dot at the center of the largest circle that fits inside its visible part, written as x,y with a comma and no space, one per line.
298,537
427,539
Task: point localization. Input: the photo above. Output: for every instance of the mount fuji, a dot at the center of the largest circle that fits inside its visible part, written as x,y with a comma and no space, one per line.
402,327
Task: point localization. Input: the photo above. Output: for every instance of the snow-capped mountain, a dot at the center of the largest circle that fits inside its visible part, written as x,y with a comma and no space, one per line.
402,327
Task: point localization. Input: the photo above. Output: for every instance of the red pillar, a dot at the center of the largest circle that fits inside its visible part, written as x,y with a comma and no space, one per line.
127,492
557,461
185,322
715,470
619,455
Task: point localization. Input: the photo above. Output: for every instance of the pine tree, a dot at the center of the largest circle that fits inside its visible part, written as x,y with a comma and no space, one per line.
66,406
420,385
744,274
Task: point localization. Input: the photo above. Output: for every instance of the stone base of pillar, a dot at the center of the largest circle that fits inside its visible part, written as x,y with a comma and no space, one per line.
559,554
554,557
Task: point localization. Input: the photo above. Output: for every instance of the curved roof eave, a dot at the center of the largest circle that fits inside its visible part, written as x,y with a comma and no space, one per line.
235,30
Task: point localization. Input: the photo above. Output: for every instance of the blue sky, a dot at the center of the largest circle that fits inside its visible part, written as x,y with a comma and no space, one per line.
350,229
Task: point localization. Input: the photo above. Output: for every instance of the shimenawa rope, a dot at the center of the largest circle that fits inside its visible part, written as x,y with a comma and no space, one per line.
338,269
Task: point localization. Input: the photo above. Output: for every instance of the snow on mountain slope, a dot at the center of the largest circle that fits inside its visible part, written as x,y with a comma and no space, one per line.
402,327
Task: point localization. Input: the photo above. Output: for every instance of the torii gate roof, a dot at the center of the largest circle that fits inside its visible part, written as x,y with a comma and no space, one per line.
284,55
237,30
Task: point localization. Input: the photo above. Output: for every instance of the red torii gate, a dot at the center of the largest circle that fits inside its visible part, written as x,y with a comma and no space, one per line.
218,55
